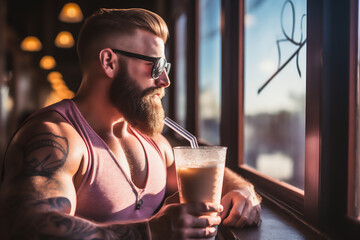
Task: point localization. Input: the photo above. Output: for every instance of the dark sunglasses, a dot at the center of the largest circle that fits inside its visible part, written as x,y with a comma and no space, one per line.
160,63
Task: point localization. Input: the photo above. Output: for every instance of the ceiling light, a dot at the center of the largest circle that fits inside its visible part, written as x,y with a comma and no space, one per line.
47,62
31,44
54,77
71,13
64,40
59,86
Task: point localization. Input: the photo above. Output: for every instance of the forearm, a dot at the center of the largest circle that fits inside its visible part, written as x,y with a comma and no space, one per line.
233,181
57,225
49,219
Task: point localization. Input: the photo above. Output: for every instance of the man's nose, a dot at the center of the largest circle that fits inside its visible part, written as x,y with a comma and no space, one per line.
163,80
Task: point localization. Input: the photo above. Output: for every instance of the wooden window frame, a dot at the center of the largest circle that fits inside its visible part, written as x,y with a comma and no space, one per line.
190,8
323,202
192,68
353,222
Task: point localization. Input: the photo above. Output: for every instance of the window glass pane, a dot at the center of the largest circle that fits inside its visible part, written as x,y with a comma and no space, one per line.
209,70
180,71
274,113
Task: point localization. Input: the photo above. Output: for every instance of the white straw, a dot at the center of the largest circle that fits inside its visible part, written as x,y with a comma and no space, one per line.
181,131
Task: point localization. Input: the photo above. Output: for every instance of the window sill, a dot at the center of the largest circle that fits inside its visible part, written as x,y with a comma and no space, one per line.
276,224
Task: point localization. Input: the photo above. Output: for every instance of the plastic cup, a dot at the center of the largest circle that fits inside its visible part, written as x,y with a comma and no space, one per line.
200,173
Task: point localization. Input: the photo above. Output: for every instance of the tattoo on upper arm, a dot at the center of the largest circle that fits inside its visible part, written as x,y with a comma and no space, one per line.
45,153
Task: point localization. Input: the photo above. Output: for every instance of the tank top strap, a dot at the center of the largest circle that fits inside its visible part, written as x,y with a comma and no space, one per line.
151,142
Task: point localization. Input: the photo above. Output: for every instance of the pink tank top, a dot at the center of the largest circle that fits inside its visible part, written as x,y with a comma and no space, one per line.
107,193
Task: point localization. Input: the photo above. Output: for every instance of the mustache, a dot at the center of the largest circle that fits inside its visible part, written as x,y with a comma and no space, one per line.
154,90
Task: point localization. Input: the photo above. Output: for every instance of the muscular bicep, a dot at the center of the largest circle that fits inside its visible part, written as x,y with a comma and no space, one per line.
40,166
44,154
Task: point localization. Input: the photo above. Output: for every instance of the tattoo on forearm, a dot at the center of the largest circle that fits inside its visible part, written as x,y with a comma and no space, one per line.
128,232
45,153
48,219
58,226
57,203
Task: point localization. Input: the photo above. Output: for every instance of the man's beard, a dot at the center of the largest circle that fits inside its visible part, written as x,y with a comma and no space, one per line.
138,107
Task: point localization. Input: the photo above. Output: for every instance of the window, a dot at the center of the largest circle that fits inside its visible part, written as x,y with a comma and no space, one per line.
209,70
298,122
274,88
180,71
322,201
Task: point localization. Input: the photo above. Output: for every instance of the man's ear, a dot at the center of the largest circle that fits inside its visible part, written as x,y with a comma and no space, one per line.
107,60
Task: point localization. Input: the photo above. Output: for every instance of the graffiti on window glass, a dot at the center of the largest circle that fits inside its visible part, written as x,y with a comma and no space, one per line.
290,39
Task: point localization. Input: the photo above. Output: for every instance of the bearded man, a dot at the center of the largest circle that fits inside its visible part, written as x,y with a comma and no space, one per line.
97,166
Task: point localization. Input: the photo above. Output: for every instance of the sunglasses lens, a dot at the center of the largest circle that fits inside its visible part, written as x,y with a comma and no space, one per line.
158,68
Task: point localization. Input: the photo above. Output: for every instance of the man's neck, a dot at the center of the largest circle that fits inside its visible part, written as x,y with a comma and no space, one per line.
101,115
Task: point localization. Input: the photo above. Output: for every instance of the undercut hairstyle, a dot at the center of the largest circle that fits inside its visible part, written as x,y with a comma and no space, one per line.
107,22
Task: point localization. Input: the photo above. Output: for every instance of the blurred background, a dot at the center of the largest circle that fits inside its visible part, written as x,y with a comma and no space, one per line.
38,59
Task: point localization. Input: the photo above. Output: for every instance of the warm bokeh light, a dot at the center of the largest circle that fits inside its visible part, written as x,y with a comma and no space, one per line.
53,76
59,88
56,81
47,62
71,13
64,40
31,44
56,96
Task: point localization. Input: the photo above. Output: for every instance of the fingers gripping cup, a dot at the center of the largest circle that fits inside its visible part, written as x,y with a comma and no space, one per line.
200,173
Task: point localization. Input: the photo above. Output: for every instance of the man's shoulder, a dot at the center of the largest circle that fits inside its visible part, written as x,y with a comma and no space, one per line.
51,124
49,137
44,121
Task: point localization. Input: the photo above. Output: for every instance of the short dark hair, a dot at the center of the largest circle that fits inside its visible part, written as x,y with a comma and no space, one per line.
108,21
